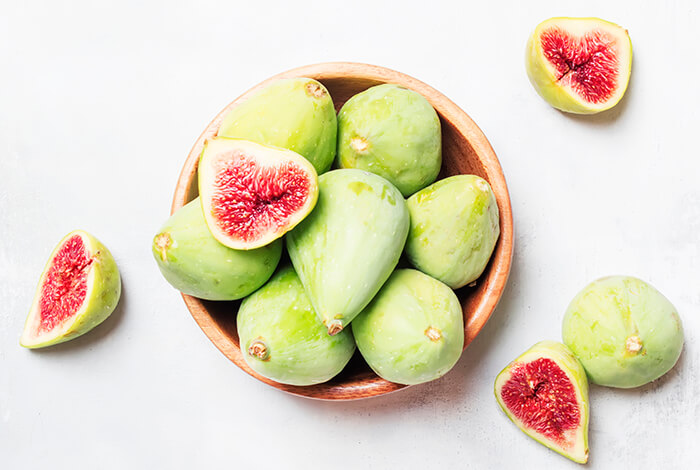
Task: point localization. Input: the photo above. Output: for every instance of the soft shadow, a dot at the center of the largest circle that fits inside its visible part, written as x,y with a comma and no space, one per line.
605,118
448,391
93,336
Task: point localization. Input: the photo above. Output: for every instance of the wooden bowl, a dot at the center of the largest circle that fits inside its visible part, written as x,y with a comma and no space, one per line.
465,149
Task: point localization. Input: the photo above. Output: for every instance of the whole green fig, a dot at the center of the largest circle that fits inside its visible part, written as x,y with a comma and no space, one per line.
454,229
413,330
193,262
624,332
393,132
295,114
347,247
282,339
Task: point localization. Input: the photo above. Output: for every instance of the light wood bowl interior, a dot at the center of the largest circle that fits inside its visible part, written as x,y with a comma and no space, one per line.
465,150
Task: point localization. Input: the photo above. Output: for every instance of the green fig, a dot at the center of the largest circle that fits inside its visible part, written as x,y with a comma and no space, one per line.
413,330
454,229
393,132
79,288
545,393
282,339
295,114
193,262
624,332
348,246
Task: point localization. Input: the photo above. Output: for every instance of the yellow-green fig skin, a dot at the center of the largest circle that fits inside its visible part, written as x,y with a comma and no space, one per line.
624,332
194,263
350,243
413,330
393,132
295,114
282,339
454,229
102,297
545,80
568,363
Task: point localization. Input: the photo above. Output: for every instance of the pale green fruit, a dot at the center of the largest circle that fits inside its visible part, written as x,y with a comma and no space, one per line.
545,393
413,330
392,132
579,65
295,114
347,247
282,339
194,263
454,229
624,332
79,288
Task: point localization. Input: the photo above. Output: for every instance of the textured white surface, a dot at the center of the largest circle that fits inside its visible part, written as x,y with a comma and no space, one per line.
99,105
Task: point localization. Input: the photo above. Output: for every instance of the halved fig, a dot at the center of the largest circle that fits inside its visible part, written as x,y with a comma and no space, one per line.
78,290
545,393
579,65
252,194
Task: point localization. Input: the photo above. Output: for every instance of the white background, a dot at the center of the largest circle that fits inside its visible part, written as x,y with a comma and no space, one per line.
99,105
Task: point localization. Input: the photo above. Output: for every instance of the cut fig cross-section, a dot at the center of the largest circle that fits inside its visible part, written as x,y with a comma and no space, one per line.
579,65
545,393
79,288
252,194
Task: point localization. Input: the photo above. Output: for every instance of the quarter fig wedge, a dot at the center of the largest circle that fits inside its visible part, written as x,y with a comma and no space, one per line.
78,290
545,393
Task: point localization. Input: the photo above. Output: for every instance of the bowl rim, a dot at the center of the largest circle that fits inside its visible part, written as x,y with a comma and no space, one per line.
501,259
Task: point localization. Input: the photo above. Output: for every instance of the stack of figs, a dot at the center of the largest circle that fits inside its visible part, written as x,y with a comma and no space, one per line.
265,178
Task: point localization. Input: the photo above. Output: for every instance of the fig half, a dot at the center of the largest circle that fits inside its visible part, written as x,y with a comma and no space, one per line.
78,290
579,65
545,393
252,194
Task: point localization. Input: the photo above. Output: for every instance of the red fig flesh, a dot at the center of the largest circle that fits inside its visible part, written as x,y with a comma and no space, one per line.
579,65
545,392
253,194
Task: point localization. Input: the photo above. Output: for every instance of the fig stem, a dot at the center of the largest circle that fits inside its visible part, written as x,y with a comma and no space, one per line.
433,334
335,327
633,344
258,348
163,241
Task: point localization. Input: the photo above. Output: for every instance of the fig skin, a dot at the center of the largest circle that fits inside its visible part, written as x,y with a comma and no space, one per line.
282,339
454,229
295,114
102,297
349,245
570,365
544,79
413,330
194,263
624,332
393,132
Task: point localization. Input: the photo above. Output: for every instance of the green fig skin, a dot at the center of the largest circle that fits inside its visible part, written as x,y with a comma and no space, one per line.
104,291
350,243
282,339
295,114
569,364
393,132
624,332
454,229
194,263
545,80
413,330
